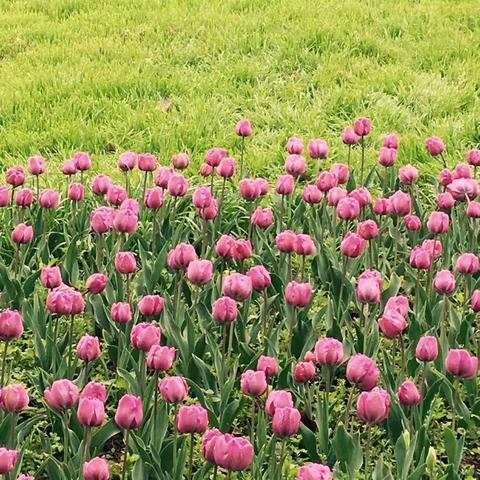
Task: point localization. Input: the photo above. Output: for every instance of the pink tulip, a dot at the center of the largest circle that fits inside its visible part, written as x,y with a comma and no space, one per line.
298,294
434,247
304,372
101,219
200,272
76,192
144,335
24,197
295,165
368,291
475,301
362,126
336,194
363,372
8,458
352,245
227,167
94,390
65,300
295,146
163,176
381,206
151,305
427,348
127,161
473,209
317,148
368,229
420,258
269,365
96,283
147,162
285,241
153,198
462,170
82,161
407,174
304,245
445,201
341,171
391,141
445,177
11,325
461,363
177,185
326,181
50,277
444,282
434,146
22,234
180,257
241,249
88,348
285,184
286,421
373,406
311,194
129,414
101,184
348,208
463,189
210,212
202,197
232,453
125,262
392,323
180,161
192,419
349,137
387,156
314,471
400,203
412,222
278,399
399,304
262,218
408,393
260,277
206,170
4,196
173,389
237,286
36,165
121,312
49,198
438,222
467,263
15,176
328,351
160,358
215,155
208,444
63,394
96,469
68,167
253,383
243,128
125,221
224,310
249,189
473,157
14,398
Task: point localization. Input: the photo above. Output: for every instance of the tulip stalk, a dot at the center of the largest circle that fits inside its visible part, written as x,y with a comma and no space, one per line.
66,435
190,456
242,154
87,436
99,253
367,449
125,454
70,338
362,144
4,363
13,430
175,436
346,418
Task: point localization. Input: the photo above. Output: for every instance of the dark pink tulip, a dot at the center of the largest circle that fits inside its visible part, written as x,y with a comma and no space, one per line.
180,161
462,170
15,176
381,206
96,469
101,184
147,162
4,196
336,194
407,174
438,222
243,128
49,198
96,283
127,161
286,421
76,192
160,358
298,294
348,208
206,170
153,198
65,300
434,145
210,212
125,262
249,189
253,383
262,217
200,272
352,245
461,363
304,372
368,229
326,181
387,156
445,177
349,137
473,209
473,157
269,365
475,301
392,323
304,245
285,241
362,126
144,335
341,171
317,148
241,249
412,222
295,165
24,197
278,399
121,312
328,351
61,395
362,195
314,471
427,348
444,282
232,453
445,201
180,257
192,419
311,194
399,304
94,390
82,161
363,372
214,156
173,389
391,141
163,176
68,167
208,444
463,189
434,247
177,185
368,291
260,277
14,398
373,406
36,165
285,184
125,221
129,414
227,167
400,203
202,197
237,286
225,246
22,234
420,258
295,146
50,277
151,305
101,219
8,458
88,348
467,263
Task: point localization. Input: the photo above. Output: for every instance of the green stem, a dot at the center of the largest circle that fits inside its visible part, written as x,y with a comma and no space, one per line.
66,435
70,338
367,450
13,430
4,363
190,457
125,455
362,142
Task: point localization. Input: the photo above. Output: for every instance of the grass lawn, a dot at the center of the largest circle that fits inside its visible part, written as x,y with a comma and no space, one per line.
163,76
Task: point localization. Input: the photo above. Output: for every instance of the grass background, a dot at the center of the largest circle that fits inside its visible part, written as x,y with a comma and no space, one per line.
164,76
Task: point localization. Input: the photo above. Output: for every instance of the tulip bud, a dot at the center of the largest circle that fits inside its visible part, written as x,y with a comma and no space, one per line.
286,421
129,414
160,358
243,128
11,325
373,406
180,161
61,395
278,399
96,283
237,286
298,294
200,272
8,458
125,262
88,348
14,398
363,372
304,372
253,383
121,312
151,305
427,349
173,389
192,419
269,365
408,393
96,469
328,351
144,335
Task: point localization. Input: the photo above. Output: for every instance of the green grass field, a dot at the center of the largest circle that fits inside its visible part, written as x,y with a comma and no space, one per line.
164,76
